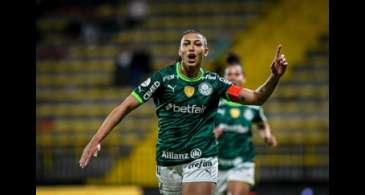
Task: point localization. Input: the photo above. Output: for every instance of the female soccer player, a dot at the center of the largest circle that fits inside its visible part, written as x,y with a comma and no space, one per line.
233,129
186,97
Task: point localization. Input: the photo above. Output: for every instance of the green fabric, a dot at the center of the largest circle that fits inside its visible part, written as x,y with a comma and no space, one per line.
236,140
185,78
139,99
186,113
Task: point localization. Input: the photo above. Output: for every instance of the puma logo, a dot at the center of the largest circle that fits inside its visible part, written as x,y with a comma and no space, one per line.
172,88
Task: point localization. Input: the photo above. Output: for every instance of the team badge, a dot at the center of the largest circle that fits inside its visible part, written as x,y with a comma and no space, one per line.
189,91
205,89
248,114
235,112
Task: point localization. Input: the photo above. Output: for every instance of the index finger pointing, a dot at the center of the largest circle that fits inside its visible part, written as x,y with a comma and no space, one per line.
278,51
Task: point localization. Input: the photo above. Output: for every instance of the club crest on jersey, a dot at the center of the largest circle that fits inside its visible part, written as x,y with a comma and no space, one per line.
205,89
189,91
235,112
248,114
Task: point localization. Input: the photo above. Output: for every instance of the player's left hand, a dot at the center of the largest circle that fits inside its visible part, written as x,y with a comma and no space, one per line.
279,64
271,140
218,132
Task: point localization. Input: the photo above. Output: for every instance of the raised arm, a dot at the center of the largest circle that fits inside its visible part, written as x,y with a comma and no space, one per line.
262,93
114,117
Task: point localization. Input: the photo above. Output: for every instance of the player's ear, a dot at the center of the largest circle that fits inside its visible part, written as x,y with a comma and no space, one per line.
180,52
243,81
206,51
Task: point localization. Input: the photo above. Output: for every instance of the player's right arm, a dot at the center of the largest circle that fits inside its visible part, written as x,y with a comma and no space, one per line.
113,118
140,95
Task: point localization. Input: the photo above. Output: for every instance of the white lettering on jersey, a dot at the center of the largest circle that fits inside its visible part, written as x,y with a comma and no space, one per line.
175,156
225,81
152,89
234,128
168,77
191,109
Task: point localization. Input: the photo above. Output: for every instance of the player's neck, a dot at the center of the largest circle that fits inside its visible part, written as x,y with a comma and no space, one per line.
190,71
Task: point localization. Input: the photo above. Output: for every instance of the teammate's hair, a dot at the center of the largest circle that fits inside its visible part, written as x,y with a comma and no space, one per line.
234,60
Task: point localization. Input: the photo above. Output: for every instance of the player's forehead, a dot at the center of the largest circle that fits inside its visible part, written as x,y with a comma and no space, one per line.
234,70
192,37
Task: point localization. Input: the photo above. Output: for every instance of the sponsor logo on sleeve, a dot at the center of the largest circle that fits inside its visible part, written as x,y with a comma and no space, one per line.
150,91
210,77
168,77
146,82
225,80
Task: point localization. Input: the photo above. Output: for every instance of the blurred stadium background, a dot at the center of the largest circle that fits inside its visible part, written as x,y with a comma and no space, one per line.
91,53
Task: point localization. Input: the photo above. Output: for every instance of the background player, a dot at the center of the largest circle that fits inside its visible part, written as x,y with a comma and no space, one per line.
186,98
236,150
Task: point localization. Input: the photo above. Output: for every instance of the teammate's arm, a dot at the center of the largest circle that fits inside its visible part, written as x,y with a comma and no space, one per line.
265,133
262,93
114,117
218,132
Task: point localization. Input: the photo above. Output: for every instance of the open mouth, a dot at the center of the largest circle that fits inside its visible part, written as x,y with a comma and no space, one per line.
234,82
192,58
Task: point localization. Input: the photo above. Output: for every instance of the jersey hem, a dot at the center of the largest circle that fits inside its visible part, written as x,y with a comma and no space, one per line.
183,162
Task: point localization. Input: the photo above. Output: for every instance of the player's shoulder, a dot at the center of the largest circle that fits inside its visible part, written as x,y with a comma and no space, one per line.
213,76
167,69
222,102
253,107
208,75
166,73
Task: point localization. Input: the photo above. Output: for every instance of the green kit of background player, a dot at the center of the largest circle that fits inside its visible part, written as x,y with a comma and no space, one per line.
233,130
186,97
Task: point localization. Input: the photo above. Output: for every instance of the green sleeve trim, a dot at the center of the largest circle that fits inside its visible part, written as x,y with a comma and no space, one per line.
138,98
234,104
227,97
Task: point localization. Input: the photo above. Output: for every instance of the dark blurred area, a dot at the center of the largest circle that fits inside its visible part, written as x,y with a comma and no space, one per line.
91,53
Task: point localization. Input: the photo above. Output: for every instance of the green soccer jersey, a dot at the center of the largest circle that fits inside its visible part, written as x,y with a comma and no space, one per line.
186,109
235,143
